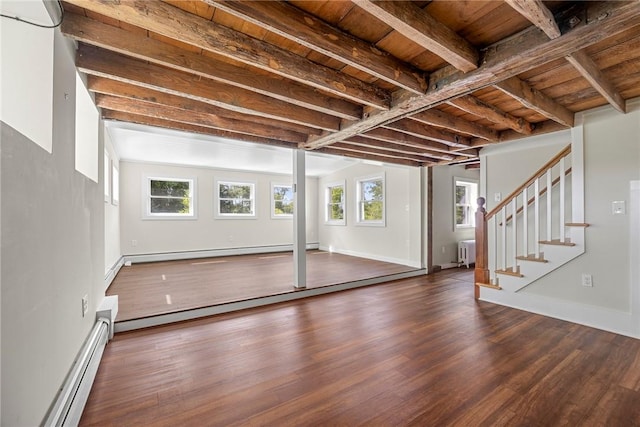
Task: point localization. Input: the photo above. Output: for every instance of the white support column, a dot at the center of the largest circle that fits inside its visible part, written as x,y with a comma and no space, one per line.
299,221
504,237
562,200
536,219
514,231
549,212
525,222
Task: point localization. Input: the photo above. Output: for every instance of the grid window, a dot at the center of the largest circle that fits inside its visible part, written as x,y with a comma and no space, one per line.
466,192
170,198
281,201
236,199
334,199
371,209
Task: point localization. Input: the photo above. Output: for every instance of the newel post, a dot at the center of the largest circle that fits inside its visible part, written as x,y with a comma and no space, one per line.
481,274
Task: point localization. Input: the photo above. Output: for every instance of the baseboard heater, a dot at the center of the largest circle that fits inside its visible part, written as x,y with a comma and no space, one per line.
67,408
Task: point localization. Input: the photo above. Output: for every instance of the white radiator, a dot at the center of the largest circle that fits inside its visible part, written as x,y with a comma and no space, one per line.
466,252
67,408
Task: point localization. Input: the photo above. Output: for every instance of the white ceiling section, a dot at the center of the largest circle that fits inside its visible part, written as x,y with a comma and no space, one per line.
139,143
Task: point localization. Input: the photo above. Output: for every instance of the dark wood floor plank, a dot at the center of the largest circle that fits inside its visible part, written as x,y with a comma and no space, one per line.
149,289
418,351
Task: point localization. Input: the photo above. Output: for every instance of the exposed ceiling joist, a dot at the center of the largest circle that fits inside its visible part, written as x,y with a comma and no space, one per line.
366,156
435,117
102,63
194,118
185,127
138,46
360,148
538,14
172,22
420,27
590,71
421,130
370,142
397,137
536,100
303,28
137,93
505,59
474,106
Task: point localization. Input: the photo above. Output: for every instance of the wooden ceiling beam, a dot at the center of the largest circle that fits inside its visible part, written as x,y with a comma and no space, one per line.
170,21
124,90
199,119
365,156
511,135
418,26
536,100
590,71
396,137
305,29
169,124
360,148
98,62
370,142
441,119
127,43
421,130
507,58
474,106
538,14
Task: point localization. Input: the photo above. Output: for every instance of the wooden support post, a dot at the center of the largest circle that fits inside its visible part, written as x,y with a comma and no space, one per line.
481,274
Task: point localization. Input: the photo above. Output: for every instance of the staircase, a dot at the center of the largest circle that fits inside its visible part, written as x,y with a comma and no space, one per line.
536,229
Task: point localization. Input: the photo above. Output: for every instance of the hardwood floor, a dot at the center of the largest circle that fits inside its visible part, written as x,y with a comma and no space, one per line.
163,287
418,351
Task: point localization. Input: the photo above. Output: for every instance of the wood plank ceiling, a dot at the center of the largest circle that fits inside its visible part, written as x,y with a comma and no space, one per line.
416,83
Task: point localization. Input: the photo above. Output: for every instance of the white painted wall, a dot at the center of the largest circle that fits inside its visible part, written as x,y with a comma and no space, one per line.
26,75
399,240
611,165
444,234
205,232
112,252
52,252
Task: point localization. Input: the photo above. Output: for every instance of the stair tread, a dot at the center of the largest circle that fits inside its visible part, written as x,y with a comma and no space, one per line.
532,258
557,242
510,272
488,285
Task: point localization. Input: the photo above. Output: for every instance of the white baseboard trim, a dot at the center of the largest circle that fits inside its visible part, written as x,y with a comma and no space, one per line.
449,265
414,264
618,322
211,253
113,271
164,319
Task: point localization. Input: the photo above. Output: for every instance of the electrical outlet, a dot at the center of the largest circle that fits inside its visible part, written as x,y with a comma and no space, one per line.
587,280
134,243
85,305
444,249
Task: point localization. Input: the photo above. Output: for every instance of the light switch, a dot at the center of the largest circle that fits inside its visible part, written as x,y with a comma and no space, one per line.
618,207
497,197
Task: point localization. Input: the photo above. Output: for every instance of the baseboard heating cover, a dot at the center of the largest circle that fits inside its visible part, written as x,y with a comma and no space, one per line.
67,408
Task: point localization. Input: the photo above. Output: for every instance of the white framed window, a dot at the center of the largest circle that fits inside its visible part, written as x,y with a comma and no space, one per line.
235,199
115,185
465,194
169,198
334,196
281,200
107,178
371,200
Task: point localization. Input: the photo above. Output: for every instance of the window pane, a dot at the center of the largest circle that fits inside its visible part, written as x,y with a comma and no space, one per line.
177,206
372,190
235,191
235,206
336,212
283,208
169,188
337,194
461,194
283,198
372,211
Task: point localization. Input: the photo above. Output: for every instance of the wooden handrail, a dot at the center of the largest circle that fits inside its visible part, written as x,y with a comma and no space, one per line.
551,163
